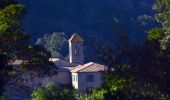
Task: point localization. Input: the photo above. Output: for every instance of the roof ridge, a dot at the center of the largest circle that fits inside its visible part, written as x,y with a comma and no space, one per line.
75,37
89,67
81,67
92,63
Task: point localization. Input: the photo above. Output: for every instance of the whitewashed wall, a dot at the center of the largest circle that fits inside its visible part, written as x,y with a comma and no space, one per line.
75,80
83,84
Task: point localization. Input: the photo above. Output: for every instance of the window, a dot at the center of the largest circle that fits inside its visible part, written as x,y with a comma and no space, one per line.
77,51
90,78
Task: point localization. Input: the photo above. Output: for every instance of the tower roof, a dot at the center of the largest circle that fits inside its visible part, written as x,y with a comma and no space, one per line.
75,38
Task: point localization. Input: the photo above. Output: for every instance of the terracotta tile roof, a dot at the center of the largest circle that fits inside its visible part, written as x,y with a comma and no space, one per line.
75,37
89,67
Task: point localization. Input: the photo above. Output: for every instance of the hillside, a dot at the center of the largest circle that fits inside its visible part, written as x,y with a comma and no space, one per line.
87,17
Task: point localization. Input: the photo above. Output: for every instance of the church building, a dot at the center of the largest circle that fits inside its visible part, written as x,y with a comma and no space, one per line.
83,76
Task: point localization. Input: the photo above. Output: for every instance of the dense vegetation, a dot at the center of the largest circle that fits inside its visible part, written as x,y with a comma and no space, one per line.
11,35
53,92
141,72
14,44
146,75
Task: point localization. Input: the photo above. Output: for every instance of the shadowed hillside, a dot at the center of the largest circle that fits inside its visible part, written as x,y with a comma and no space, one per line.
87,16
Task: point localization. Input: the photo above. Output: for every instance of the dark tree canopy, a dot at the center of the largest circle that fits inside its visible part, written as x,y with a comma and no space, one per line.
14,44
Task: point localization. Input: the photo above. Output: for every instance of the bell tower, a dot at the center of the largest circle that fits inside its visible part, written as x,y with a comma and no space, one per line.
76,54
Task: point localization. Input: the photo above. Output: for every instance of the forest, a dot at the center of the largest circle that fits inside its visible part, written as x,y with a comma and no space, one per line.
141,71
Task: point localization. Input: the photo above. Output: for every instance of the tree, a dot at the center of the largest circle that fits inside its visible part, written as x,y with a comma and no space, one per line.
162,8
3,69
12,38
117,85
153,61
39,94
96,94
149,65
55,44
158,42
106,55
122,53
37,59
53,92
40,41
14,44
124,48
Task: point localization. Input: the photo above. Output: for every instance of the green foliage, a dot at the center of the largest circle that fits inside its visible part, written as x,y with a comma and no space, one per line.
165,44
118,80
53,92
39,94
116,86
154,34
97,94
158,62
37,59
10,16
147,77
3,98
13,41
14,44
157,56
3,27
12,38
162,8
